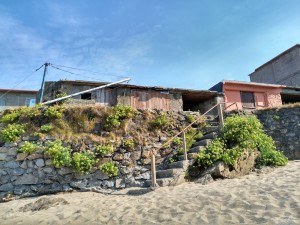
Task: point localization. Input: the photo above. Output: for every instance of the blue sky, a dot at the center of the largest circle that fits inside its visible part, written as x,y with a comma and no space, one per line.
186,44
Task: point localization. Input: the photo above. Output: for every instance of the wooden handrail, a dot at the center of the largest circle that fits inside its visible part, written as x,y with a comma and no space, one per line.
154,152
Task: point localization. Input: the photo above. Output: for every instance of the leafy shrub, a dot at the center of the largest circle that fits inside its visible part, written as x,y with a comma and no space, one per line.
55,111
46,128
120,113
177,141
10,117
190,118
60,95
240,133
12,132
211,154
128,144
271,158
59,154
160,121
83,162
105,149
28,147
29,112
110,169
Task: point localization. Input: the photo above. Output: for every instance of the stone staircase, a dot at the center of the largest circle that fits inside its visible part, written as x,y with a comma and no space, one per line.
172,174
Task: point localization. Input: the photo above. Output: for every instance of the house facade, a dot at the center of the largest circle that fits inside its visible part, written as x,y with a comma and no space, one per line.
283,69
249,95
15,98
138,97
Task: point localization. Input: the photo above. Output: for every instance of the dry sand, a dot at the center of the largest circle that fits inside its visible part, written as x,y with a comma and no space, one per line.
272,198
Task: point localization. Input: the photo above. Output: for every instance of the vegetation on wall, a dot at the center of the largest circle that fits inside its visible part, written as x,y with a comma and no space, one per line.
241,133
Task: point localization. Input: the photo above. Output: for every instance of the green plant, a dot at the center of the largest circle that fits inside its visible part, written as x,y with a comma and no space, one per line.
46,128
211,154
177,141
28,147
110,169
271,158
160,121
190,118
55,111
128,144
83,162
276,117
60,95
10,117
59,154
12,132
120,113
241,133
104,149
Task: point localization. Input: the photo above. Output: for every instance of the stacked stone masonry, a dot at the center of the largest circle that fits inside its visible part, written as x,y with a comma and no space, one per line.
283,125
24,175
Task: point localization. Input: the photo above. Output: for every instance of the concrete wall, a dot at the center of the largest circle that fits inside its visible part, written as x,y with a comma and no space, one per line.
13,100
282,70
265,96
176,103
283,125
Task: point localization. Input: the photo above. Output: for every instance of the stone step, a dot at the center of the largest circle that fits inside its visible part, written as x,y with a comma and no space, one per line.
191,155
168,173
162,182
196,149
204,142
179,165
210,129
211,135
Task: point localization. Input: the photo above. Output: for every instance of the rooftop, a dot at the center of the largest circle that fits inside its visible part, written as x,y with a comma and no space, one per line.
278,56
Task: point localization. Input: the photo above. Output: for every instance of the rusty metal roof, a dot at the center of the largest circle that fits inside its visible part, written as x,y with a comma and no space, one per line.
158,88
18,91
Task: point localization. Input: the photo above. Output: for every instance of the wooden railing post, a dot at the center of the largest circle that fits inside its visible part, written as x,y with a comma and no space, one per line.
184,146
153,171
220,113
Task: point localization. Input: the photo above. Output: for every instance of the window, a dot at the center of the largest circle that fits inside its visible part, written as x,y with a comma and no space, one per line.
248,100
86,96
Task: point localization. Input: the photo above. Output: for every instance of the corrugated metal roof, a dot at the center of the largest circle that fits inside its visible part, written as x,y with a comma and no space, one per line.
18,91
158,88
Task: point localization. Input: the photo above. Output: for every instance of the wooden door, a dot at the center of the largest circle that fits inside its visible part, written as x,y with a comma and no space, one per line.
248,100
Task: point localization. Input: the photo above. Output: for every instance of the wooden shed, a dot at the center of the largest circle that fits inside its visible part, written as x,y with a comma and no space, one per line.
138,97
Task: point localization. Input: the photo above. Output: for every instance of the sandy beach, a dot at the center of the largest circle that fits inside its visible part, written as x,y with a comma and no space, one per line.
271,197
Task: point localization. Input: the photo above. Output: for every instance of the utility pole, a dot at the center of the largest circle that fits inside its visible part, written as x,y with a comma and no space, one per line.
43,82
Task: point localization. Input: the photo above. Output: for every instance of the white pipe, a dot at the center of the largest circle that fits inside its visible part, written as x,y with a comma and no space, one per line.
82,92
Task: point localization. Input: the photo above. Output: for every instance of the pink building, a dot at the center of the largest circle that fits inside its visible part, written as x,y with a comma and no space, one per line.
249,95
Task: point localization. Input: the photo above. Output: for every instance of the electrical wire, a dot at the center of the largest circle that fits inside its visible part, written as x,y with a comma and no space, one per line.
11,89
66,71
97,73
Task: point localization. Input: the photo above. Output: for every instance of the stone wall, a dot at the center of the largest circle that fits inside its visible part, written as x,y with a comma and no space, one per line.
283,125
25,175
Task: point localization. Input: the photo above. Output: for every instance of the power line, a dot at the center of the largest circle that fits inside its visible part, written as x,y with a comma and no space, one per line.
11,89
97,73
66,71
